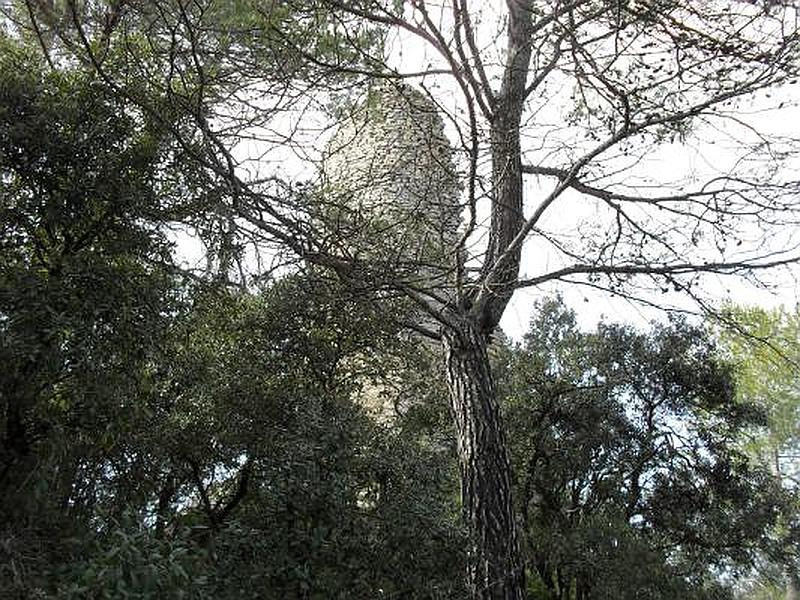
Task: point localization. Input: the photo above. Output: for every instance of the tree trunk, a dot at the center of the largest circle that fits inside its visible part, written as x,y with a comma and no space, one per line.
495,571
494,568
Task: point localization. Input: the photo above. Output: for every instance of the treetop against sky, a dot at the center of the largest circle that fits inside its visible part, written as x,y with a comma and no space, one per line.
656,138
720,153
674,123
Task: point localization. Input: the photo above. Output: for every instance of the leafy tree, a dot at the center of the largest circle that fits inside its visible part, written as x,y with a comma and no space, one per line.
269,480
599,85
85,301
630,477
166,437
764,346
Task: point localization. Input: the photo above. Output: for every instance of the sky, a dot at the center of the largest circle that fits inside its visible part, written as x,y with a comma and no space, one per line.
703,153
708,151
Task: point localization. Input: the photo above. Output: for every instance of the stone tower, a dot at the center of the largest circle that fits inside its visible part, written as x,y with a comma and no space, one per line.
391,199
391,189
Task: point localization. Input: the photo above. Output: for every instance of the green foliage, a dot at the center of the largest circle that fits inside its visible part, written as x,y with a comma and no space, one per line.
766,352
764,346
130,563
83,302
625,445
168,440
78,292
331,489
162,437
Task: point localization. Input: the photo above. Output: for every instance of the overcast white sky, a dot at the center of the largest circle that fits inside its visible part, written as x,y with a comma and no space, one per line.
704,155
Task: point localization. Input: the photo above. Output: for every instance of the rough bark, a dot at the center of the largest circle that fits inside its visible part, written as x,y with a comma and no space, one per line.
501,265
494,568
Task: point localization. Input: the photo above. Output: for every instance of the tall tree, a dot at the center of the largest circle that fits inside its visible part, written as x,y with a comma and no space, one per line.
81,278
575,93
764,346
631,479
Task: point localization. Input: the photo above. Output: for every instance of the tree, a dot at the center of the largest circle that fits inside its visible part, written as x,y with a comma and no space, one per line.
81,278
597,85
764,345
134,438
86,302
630,476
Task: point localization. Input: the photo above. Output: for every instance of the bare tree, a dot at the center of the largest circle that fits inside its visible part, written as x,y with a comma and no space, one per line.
576,95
